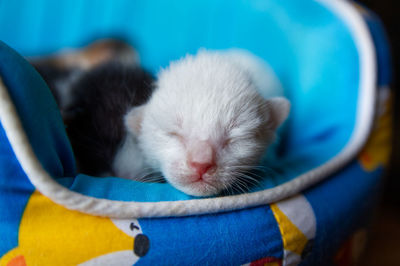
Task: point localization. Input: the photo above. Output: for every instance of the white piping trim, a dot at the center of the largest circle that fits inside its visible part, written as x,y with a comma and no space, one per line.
120,209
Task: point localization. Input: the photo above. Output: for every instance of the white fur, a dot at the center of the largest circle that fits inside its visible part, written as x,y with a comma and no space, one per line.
129,161
208,98
262,75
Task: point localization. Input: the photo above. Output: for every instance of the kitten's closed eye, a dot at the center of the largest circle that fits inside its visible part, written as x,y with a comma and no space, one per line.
176,135
226,142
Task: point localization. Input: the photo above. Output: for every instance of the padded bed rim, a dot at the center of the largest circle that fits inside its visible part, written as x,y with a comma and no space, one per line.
122,209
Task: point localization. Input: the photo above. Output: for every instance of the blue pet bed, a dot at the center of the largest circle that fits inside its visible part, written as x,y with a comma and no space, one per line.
311,208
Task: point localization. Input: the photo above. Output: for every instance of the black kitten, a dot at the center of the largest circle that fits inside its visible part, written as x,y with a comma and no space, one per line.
102,96
93,104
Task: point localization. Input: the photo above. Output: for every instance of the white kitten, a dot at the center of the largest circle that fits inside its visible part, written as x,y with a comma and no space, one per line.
207,122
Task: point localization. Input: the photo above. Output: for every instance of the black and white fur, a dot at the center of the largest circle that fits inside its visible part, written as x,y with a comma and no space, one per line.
207,123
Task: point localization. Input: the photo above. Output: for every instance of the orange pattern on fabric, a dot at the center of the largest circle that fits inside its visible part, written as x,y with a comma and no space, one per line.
17,261
376,151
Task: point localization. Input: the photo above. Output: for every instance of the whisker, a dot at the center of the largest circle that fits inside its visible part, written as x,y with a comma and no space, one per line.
240,188
246,176
150,180
247,166
230,190
242,185
153,179
150,176
251,174
246,180
144,175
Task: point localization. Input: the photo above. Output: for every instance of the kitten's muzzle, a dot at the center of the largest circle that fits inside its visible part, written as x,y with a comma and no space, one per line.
201,157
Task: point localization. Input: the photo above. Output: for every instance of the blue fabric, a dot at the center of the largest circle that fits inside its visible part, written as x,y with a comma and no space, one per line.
342,205
45,131
304,42
38,112
381,41
15,190
232,238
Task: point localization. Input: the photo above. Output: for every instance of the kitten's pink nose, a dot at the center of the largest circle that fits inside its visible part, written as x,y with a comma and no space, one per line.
201,168
201,157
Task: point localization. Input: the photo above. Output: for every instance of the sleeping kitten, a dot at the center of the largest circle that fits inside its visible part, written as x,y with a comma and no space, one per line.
206,122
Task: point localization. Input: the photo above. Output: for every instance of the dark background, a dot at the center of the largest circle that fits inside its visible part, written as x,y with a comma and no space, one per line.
384,242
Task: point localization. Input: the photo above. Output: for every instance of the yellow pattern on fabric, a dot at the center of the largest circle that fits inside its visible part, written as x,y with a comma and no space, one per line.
293,239
50,234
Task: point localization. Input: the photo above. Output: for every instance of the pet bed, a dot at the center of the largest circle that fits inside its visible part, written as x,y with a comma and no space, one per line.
312,208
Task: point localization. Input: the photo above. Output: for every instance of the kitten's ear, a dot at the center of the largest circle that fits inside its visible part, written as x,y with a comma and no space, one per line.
133,119
278,110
